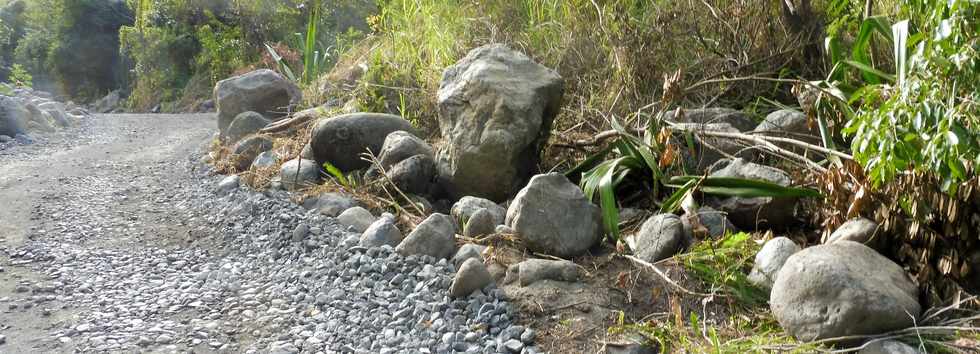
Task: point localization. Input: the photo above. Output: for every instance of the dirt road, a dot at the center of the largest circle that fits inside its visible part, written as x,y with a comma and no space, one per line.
94,187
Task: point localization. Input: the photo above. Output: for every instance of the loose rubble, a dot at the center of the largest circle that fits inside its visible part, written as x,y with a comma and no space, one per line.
278,274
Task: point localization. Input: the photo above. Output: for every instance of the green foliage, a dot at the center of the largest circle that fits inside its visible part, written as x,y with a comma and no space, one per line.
158,69
919,111
20,77
316,56
741,187
337,174
722,266
32,50
755,333
637,160
222,50
636,156
71,45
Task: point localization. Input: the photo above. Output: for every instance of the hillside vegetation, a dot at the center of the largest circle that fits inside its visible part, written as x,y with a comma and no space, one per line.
888,92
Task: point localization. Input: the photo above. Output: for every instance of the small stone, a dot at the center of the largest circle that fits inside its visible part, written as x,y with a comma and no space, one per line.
164,339
228,184
433,237
480,223
770,259
300,232
468,251
534,270
472,276
860,230
528,336
144,341
660,237
357,218
514,345
380,233
888,347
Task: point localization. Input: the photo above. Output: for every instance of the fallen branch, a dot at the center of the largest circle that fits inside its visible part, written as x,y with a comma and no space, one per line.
665,277
764,142
287,124
369,157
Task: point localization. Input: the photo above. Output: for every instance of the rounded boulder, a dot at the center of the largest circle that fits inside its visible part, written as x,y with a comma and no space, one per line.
842,289
341,140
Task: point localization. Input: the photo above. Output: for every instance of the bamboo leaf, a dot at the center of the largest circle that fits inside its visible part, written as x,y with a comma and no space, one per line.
672,203
900,32
867,71
743,187
336,173
607,202
575,174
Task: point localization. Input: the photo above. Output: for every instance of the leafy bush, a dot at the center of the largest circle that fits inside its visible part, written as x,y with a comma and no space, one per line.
919,111
20,77
222,50
156,74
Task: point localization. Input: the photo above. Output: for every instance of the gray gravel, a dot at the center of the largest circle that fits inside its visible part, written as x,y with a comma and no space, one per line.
149,256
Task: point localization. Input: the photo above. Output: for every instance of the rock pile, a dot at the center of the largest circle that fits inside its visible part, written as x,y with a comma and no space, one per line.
263,91
27,112
496,108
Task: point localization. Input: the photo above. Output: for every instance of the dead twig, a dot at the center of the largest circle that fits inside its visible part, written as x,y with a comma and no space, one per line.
369,157
664,276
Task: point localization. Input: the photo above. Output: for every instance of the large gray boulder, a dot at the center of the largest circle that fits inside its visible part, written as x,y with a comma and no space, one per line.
737,119
660,237
704,150
552,216
770,260
496,107
244,124
435,237
758,212
263,91
789,123
299,173
342,139
401,145
842,289
13,116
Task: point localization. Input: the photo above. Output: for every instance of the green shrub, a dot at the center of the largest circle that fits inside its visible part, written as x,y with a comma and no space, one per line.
157,75
917,111
222,50
20,77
